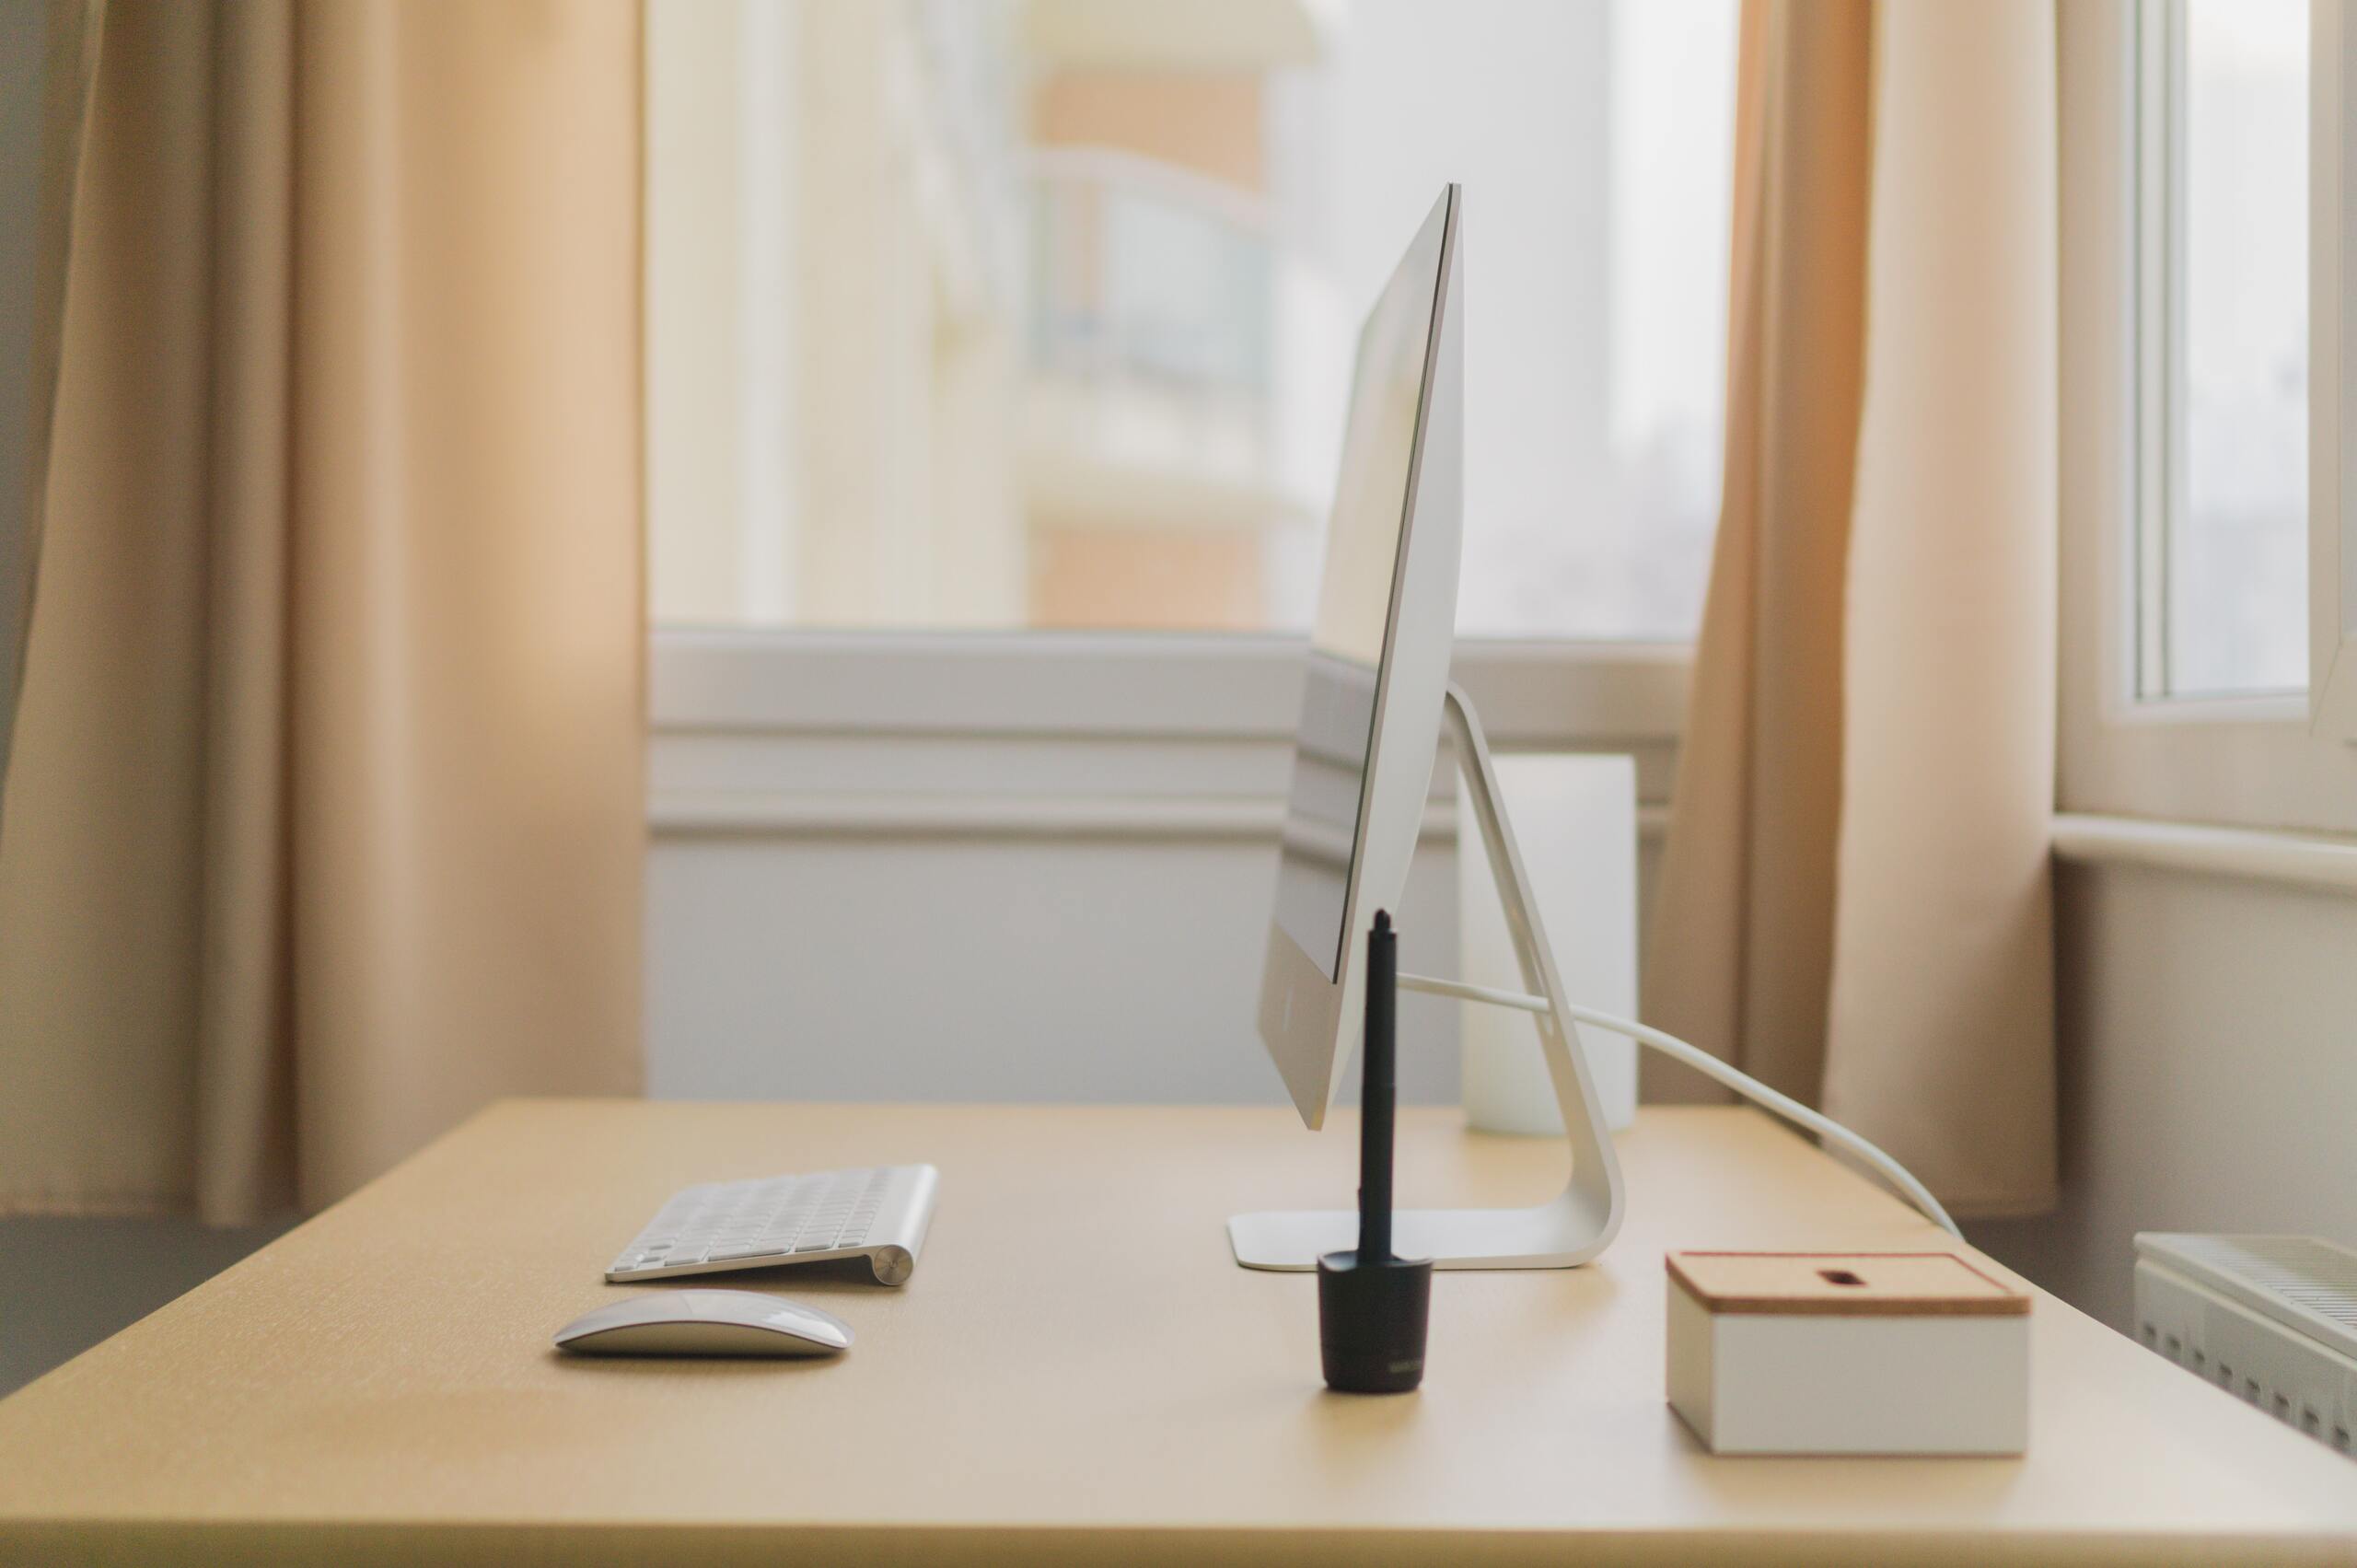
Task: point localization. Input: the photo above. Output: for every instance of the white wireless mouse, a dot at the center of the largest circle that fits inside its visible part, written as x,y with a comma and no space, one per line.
705,1322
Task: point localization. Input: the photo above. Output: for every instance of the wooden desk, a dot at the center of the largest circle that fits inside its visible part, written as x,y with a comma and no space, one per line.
1077,1373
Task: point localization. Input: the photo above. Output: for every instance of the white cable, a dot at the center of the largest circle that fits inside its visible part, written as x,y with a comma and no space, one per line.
1790,1110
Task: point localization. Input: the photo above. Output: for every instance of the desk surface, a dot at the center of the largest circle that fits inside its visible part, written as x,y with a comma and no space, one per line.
1076,1356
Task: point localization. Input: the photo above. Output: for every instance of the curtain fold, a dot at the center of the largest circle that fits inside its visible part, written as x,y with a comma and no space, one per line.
328,815
1743,959
49,54
1854,900
1941,1029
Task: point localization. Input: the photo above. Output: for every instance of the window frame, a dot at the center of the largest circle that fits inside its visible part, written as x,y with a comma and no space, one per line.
2332,360
2254,761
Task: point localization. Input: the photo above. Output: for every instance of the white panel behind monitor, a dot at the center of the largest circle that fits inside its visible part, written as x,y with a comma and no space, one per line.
1575,821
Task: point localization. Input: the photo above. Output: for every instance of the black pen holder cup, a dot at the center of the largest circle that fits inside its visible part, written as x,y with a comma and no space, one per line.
1370,1319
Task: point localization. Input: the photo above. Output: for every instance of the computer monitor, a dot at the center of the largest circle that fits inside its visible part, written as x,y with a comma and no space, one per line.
1377,664
1374,695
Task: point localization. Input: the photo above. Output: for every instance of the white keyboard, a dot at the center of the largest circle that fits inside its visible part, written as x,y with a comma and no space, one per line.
879,1214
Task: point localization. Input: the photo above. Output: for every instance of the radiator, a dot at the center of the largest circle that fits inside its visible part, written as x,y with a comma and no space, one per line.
2271,1319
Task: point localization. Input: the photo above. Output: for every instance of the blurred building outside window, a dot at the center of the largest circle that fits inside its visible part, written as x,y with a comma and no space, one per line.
2223,561
1038,313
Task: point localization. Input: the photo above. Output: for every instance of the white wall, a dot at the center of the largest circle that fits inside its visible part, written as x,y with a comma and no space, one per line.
2209,1072
1062,964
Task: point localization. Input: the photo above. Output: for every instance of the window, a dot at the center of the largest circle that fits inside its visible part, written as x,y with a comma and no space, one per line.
1038,313
2223,347
2201,531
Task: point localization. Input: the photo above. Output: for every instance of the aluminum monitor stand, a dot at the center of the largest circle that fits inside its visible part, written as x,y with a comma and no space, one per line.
1577,1223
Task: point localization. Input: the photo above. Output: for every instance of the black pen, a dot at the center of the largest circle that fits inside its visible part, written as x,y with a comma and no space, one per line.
1380,1097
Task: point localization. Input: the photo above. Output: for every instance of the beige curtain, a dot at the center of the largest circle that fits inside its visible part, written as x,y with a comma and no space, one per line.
48,53
1854,900
325,820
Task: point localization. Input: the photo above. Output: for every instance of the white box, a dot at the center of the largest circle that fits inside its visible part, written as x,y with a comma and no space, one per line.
1575,821
1847,1353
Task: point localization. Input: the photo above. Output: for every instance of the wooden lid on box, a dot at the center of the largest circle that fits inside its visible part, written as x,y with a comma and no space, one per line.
1864,1284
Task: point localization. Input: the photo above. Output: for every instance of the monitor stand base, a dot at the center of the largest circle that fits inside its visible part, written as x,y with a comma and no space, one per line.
1582,1219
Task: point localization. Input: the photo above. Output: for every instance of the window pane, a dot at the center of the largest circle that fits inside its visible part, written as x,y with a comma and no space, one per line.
977,313
2235,596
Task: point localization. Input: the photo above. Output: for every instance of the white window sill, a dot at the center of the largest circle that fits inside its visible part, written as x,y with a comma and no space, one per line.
1031,735
1531,695
2297,860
